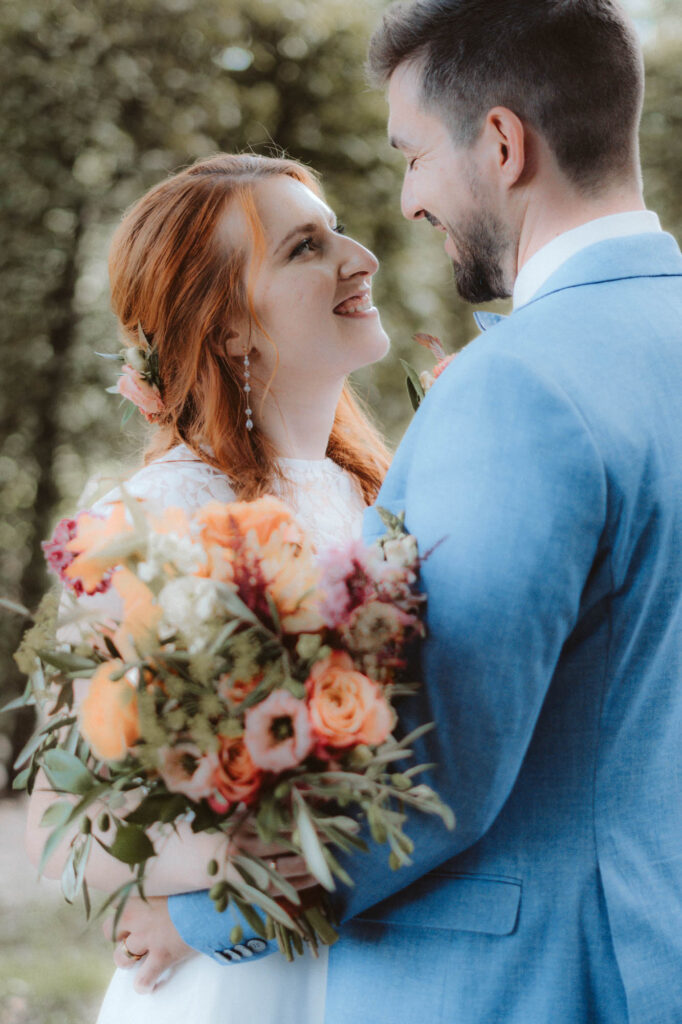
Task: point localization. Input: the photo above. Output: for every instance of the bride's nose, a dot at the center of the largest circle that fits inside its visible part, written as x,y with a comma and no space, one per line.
356,259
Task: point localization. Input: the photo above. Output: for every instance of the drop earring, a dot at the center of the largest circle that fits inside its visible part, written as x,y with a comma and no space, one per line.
247,391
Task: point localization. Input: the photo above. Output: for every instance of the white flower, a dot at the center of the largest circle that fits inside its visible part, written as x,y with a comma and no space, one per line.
402,551
191,605
164,549
135,357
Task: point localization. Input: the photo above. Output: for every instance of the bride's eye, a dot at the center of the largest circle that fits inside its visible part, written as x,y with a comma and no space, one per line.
306,245
340,229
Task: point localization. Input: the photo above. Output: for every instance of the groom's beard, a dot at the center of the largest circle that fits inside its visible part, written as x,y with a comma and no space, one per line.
481,243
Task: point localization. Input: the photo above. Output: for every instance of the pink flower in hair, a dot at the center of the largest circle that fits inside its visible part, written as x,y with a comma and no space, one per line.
138,390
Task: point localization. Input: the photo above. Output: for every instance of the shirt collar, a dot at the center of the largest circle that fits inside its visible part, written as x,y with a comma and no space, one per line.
547,260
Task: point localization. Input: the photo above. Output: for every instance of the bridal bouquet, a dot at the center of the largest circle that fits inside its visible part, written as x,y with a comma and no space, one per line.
236,682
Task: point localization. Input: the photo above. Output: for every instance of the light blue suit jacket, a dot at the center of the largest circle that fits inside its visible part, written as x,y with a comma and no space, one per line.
547,460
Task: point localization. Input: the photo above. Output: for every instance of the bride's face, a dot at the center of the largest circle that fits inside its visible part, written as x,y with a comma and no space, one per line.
312,290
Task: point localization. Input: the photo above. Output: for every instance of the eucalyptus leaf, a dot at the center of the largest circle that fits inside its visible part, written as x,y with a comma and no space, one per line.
158,807
19,702
336,868
254,896
131,845
31,746
252,917
66,772
56,814
223,636
51,844
416,734
21,779
234,604
285,887
66,662
310,845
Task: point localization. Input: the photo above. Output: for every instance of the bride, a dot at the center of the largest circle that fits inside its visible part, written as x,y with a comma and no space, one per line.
257,307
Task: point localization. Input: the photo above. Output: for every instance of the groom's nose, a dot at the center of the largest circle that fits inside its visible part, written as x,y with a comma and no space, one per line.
409,204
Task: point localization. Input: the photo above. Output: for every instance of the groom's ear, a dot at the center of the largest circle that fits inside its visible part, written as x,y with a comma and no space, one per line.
506,145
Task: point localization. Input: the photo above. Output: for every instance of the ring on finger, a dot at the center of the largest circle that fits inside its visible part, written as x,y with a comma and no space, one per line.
129,953
272,864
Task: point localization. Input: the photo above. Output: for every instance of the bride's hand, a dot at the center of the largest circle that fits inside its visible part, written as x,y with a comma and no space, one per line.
145,933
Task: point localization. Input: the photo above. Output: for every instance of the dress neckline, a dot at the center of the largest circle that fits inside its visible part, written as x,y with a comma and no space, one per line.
306,467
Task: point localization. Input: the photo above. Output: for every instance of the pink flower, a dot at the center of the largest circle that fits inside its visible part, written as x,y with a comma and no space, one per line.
277,732
432,343
133,386
186,770
59,558
346,581
442,365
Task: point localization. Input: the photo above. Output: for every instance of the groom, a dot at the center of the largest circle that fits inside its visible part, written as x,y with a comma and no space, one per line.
547,461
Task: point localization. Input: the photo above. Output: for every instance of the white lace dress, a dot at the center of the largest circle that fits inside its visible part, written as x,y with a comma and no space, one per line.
200,990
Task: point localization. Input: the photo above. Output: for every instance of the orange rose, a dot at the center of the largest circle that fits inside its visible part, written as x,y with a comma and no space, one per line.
346,707
108,715
223,524
236,779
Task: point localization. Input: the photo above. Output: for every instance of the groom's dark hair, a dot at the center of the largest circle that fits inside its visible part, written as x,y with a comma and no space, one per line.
572,69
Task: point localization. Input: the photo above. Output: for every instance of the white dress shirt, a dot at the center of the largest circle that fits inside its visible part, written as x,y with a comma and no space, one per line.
545,261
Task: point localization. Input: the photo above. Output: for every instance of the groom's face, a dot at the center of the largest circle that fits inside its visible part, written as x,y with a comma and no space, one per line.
443,184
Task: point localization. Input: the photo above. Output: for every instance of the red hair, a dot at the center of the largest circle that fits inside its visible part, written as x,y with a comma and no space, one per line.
169,274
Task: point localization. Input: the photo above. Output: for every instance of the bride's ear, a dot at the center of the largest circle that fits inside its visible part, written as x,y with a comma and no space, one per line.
233,341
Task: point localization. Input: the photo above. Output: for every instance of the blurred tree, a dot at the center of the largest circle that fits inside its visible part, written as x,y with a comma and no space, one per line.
100,99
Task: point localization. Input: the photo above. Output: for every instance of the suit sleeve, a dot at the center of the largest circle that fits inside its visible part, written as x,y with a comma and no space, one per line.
501,480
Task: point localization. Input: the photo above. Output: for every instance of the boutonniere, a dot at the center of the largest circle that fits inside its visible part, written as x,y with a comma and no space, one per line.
419,383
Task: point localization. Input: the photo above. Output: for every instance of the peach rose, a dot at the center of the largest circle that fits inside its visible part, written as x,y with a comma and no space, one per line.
346,707
138,390
292,579
141,614
108,715
277,732
236,778
186,770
